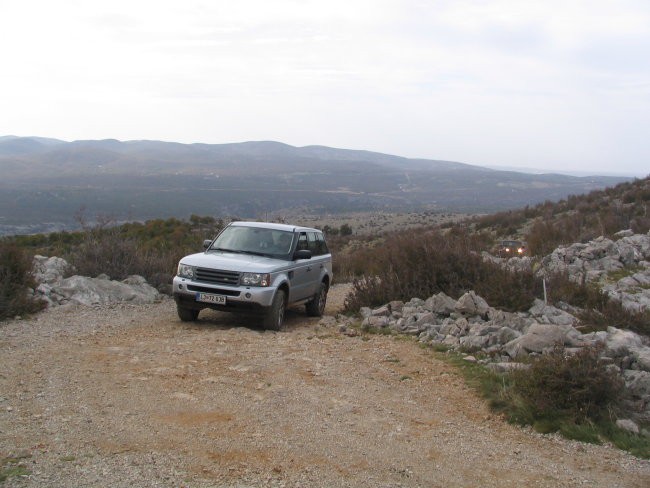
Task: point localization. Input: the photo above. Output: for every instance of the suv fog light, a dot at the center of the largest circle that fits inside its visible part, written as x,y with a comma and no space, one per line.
248,295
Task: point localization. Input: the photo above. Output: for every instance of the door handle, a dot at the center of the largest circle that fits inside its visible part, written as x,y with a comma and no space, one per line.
308,268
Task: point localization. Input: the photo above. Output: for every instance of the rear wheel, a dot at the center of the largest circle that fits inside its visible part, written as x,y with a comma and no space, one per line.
274,318
316,307
187,314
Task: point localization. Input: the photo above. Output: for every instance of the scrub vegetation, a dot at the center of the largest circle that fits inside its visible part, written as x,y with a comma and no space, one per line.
15,280
570,394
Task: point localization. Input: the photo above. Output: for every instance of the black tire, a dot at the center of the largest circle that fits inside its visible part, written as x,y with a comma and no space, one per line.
316,307
274,317
187,314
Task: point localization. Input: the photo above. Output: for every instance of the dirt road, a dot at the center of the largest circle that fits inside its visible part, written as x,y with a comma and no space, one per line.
130,396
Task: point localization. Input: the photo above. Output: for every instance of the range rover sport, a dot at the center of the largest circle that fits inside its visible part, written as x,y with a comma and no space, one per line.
256,267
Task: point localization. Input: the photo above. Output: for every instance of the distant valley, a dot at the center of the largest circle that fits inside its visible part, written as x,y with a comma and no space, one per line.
46,182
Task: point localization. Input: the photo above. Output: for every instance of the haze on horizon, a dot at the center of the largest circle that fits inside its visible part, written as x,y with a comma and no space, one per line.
562,86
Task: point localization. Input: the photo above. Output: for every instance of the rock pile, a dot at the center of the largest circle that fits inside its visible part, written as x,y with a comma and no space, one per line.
470,324
621,266
82,290
593,260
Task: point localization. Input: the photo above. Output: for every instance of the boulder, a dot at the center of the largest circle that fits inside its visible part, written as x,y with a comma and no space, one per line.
381,311
82,290
471,304
538,338
637,383
49,270
396,306
54,289
640,242
642,357
548,314
376,321
507,367
628,425
624,233
597,249
474,342
449,328
422,319
506,334
365,312
629,348
520,264
621,342
440,304
642,277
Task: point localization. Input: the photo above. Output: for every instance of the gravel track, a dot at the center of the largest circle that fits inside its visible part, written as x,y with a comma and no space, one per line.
129,396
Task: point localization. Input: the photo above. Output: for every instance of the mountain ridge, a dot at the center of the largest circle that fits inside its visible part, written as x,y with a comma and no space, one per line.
49,180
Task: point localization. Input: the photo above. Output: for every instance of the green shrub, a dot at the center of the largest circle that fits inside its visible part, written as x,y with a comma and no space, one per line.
15,279
575,396
559,389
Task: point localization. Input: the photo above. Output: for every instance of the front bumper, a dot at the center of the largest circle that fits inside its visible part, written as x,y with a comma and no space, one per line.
186,290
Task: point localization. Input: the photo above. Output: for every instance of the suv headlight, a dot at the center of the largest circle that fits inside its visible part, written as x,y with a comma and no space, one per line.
256,279
185,271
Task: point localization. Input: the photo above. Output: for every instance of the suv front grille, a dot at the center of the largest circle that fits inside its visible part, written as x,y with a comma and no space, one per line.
217,276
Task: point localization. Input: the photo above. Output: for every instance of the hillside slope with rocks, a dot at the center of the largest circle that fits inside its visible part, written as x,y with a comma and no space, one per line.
470,324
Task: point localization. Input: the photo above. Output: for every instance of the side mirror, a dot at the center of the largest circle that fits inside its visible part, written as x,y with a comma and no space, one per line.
302,254
206,243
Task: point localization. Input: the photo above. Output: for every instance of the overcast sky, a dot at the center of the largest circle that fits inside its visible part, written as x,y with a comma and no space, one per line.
562,85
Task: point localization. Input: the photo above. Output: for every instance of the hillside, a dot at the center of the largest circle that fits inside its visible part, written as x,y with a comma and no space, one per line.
578,218
46,182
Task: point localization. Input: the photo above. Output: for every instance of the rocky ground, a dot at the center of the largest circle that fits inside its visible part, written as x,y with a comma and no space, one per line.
127,395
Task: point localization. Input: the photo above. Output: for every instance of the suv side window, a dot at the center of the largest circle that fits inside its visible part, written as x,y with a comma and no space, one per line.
302,242
322,245
312,244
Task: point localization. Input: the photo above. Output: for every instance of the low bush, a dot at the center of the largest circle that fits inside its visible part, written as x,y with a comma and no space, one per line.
151,249
15,280
422,263
599,310
560,388
573,395
613,313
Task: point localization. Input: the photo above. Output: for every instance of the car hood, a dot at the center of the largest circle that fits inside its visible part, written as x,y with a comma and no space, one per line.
229,261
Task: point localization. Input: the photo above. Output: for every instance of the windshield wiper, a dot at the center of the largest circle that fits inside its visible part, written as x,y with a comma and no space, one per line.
226,250
255,253
240,251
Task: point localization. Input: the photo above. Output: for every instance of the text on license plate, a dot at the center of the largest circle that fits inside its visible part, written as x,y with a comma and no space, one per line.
210,298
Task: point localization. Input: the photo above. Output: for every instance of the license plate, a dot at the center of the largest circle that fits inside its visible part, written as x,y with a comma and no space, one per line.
210,298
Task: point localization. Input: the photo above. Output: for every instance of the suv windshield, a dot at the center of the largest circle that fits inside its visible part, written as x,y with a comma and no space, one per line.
254,240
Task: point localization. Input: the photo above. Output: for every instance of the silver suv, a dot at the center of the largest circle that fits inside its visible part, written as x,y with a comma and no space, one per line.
256,267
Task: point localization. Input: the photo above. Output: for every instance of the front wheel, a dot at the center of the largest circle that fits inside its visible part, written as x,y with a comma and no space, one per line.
187,314
274,317
316,307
